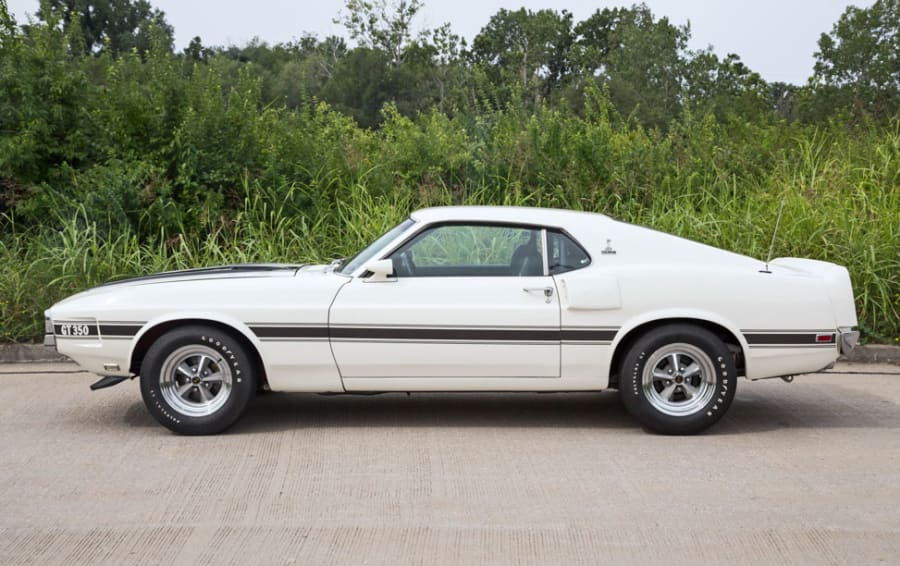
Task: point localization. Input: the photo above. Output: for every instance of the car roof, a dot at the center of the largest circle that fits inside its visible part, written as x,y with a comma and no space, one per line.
513,214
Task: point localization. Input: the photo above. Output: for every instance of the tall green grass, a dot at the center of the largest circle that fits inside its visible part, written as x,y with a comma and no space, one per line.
832,212
315,186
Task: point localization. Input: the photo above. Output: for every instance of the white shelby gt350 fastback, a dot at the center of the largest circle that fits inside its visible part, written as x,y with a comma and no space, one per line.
469,299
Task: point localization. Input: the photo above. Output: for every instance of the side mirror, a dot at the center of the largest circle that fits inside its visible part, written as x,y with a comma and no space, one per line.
381,270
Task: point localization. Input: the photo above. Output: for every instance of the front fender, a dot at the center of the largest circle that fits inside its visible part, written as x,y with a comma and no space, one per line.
193,317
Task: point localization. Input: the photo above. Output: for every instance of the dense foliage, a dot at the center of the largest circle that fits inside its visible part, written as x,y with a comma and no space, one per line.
119,156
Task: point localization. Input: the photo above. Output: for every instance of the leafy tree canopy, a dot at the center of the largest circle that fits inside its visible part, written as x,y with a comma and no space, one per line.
858,63
381,25
114,25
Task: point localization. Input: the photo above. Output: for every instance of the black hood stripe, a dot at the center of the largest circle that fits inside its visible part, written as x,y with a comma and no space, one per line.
244,268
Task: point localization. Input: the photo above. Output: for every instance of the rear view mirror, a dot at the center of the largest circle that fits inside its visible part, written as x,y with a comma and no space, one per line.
381,270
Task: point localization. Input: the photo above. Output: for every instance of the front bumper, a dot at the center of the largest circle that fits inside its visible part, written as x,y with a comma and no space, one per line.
848,339
49,335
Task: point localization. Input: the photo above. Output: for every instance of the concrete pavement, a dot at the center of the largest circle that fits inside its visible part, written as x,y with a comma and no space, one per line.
801,473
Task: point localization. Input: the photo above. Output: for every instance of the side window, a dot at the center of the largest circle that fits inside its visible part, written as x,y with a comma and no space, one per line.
471,250
564,254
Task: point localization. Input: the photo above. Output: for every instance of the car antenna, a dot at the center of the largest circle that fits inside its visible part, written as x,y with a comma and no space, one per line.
774,233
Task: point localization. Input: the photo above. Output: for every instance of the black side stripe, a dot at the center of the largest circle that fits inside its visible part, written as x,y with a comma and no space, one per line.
444,334
290,331
784,339
588,335
126,330
467,334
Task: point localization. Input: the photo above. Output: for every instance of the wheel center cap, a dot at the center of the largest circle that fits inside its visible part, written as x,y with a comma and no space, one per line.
679,379
195,380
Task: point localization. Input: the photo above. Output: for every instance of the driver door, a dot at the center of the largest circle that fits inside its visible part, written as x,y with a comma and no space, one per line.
466,304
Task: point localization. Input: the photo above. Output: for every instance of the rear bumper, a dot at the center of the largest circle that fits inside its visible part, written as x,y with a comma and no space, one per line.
848,338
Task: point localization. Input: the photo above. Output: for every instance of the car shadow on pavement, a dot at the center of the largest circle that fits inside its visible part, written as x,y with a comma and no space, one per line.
137,416
284,411
753,410
808,406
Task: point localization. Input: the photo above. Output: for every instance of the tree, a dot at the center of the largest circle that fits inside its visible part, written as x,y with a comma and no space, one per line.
115,25
325,54
10,191
446,47
381,25
44,93
725,87
526,47
599,35
640,59
7,26
858,64
311,65
361,84
783,99
195,52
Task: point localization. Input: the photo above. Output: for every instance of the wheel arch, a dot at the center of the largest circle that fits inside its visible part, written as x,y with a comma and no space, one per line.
731,337
153,330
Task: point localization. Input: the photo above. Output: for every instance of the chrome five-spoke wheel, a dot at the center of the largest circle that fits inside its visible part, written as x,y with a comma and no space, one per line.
679,379
195,380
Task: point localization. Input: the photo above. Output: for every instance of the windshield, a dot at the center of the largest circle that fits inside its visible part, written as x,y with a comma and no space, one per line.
362,257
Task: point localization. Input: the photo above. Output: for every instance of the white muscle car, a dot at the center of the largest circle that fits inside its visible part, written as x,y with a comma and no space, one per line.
469,299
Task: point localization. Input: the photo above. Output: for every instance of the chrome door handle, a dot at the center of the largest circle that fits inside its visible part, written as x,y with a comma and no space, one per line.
547,291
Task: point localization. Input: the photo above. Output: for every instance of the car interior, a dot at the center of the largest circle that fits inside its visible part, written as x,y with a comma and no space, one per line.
460,251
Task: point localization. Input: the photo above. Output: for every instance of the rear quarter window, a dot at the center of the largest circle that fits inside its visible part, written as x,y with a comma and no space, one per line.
565,254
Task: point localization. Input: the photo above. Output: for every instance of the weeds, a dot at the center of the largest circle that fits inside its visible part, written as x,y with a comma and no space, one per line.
721,184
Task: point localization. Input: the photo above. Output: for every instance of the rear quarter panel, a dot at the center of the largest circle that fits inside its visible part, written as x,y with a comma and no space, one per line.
625,297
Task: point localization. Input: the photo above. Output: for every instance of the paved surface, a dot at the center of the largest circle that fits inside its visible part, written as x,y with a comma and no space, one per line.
806,473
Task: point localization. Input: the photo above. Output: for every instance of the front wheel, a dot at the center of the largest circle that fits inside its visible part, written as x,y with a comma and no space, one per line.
678,379
197,380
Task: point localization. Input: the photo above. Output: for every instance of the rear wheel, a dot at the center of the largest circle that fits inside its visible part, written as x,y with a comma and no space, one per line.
678,379
197,380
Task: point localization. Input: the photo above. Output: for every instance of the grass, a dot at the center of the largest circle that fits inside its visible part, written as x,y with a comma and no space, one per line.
832,212
721,184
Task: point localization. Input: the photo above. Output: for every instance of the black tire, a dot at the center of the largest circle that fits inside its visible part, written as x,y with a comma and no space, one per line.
189,358
702,383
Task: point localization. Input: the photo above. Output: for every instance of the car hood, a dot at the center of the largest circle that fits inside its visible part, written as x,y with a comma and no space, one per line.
238,271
